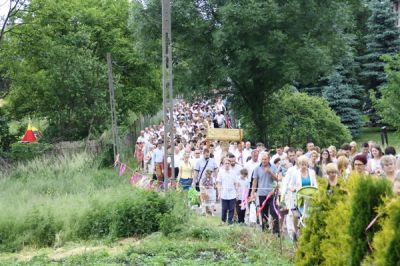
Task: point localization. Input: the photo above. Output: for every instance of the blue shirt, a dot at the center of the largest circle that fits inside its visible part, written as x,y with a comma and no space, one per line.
305,181
158,156
264,180
202,165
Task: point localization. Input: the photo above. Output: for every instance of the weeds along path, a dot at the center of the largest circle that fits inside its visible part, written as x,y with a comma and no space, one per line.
68,211
201,242
68,251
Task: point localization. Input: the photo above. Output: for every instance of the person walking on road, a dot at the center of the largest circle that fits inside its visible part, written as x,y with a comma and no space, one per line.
228,188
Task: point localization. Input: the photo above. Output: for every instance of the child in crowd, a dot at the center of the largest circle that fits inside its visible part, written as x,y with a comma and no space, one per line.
208,193
243,193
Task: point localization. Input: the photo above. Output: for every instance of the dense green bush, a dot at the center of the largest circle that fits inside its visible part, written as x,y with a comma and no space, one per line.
38,229
50,200
309,251
386,242
28,151
41,228
368,196
125,215
296,118
177,216
338,222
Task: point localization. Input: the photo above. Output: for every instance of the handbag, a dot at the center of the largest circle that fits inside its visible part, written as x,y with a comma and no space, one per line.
253,213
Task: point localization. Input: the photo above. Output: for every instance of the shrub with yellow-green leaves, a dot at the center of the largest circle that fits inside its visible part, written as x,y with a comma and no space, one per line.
309,251
335,232
368,196
386,243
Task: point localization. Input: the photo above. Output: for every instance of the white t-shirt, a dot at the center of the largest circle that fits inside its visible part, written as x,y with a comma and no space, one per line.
193,161
177,160
277,156
220,119
246,154
228,181
244,186
250,166
236,170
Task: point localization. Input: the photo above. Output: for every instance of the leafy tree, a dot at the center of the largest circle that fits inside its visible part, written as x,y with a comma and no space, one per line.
250,49
13,8
302,118
388,105
383,38
56,55
6,138
343,92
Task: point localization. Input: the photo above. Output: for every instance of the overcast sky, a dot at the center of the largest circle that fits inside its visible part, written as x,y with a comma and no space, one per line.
4,5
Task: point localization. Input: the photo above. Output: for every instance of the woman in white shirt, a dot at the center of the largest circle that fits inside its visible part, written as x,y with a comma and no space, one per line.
303,177
374,164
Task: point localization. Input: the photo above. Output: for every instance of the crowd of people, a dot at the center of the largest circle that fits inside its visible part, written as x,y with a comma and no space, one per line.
239,174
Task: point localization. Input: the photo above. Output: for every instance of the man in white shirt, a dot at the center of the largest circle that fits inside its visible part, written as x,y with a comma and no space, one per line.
235,167
310,147
279,154
239,154
220,119
252,164
196,156
247,151
157,159
228,188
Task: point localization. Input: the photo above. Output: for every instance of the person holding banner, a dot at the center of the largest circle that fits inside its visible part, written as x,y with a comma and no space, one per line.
264,177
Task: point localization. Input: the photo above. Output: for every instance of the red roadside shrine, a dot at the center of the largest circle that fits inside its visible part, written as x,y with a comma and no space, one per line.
29,136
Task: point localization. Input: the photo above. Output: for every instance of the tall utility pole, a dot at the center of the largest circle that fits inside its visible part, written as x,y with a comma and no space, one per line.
114,126
167,87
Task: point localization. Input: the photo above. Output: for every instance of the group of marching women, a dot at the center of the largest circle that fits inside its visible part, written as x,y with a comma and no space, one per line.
243,174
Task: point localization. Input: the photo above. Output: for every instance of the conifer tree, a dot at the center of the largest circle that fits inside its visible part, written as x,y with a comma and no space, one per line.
382,38
343,97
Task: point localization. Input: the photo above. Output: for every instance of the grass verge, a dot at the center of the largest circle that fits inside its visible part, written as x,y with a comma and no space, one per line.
202,241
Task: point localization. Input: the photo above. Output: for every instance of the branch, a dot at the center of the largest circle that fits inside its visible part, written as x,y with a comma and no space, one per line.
12,11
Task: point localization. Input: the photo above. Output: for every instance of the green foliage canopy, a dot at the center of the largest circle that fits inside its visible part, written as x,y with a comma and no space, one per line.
250,49
302,118
388,105
56,56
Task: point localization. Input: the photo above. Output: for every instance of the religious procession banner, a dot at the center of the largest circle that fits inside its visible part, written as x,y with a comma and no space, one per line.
224,134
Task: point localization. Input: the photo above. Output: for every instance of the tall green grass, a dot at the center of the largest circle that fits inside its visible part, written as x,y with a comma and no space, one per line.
50,200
